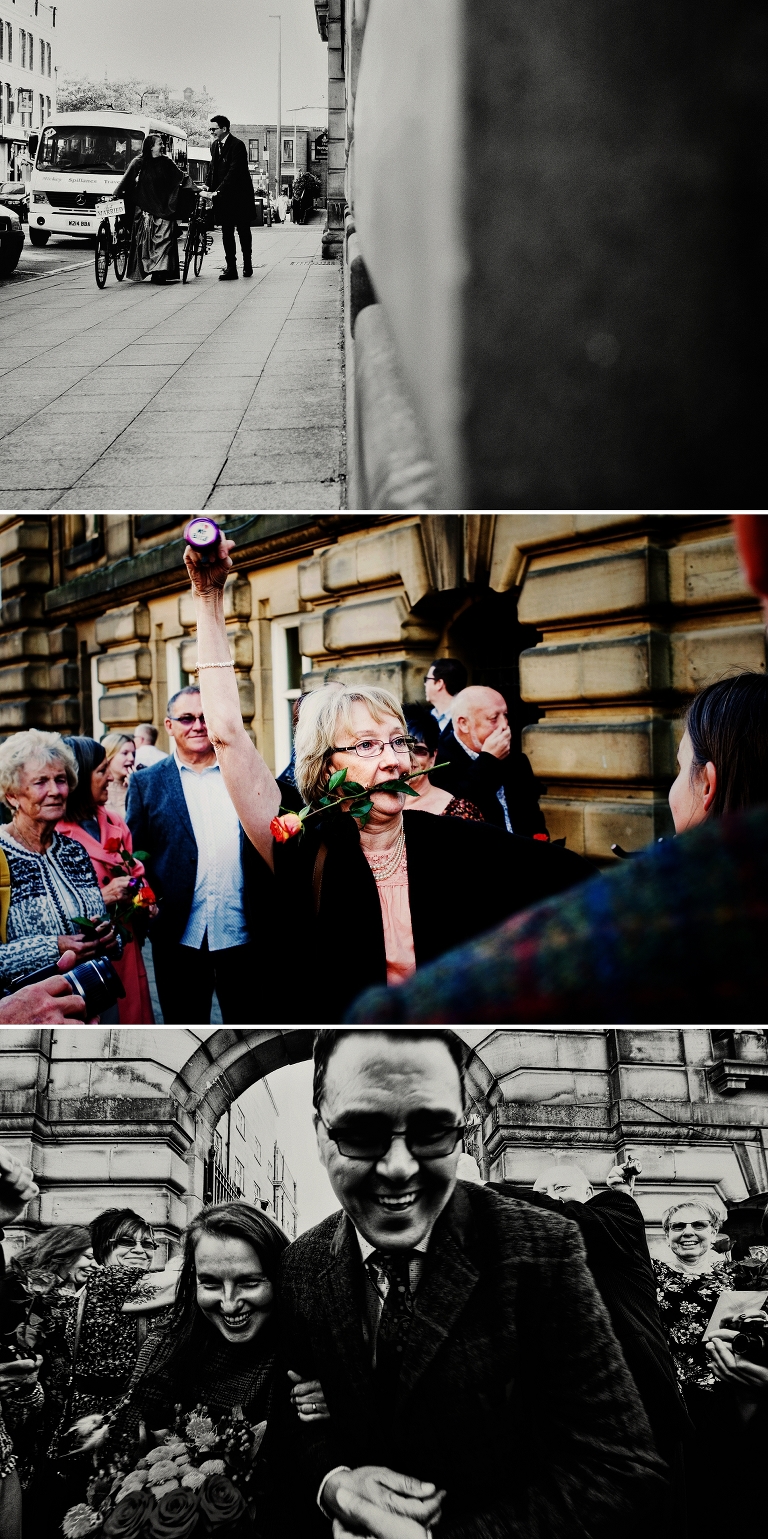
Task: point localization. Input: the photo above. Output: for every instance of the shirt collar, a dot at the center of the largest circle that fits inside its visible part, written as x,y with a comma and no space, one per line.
188,767
469,751
367,1250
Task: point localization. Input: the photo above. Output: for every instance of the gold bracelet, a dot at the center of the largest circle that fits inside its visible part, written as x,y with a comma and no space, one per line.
198,666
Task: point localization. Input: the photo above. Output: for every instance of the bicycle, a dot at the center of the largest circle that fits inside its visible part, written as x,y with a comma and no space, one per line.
198,241
112,248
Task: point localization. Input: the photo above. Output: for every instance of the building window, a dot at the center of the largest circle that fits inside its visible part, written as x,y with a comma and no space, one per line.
23,47
240,1121
175,676
9,104
270,1170
218,1147
253,149
288,666
42,110
42,56
240,1175
257,1192
47,106
2,47
257,1151
97,690
9,41
31,42
48,59
288,151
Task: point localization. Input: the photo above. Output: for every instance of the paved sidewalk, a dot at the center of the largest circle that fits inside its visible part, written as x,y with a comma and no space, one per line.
209,395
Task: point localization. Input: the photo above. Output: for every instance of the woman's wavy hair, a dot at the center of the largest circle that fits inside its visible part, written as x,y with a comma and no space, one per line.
116,1224
146,148
89,755
25,749
235,1220
727,723
693,1202
324,714
54,1251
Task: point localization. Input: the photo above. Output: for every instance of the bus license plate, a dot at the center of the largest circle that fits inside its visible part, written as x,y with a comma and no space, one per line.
79,224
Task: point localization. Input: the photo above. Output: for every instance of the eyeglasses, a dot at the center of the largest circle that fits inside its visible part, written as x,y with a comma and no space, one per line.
371,747
420,751
369,1137
187,719
126,1245
429,678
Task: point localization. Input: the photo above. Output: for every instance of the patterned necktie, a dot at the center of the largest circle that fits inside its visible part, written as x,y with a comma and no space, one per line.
397,1312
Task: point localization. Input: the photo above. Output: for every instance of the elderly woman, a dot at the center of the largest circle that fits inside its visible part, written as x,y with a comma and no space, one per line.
52,881
120,751
425,743
368,905
148,187
689,1285
97,827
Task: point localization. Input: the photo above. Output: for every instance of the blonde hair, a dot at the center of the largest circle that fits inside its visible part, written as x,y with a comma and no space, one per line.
324,714
33,747
113,741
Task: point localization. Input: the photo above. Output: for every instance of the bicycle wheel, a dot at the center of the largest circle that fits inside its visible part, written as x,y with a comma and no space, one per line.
201,246
103,253
189,246
120,257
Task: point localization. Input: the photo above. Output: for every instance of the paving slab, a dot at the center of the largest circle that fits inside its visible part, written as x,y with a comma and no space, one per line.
177,397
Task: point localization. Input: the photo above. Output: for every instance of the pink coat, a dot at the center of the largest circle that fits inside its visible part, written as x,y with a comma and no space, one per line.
136,1008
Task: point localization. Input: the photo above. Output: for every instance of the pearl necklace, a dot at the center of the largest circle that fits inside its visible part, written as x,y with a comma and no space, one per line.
385,866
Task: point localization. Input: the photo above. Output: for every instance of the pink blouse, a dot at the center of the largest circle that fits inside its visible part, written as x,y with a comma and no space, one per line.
396,919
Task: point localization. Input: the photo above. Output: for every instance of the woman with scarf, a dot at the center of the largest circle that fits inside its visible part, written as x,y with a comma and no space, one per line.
150,186
101,831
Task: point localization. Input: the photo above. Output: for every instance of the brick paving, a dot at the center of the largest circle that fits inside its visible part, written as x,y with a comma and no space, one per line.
209,395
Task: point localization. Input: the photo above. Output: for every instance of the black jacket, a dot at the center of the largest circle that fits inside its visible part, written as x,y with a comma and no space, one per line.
463,878
514,1396
228,175
613,1229
479,779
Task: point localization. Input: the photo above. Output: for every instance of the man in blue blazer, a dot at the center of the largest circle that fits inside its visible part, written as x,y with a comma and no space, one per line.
207,877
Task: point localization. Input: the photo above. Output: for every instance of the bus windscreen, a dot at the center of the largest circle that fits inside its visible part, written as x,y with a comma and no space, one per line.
107,149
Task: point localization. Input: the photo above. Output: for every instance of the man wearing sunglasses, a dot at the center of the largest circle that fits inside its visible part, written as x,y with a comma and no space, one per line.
472,1377
204,873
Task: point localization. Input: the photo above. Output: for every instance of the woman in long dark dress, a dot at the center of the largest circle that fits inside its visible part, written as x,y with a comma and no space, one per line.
148,186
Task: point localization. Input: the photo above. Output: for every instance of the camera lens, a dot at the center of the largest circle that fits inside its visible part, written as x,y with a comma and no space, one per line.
97,983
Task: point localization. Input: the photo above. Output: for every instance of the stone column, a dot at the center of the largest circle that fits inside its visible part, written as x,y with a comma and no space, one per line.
330,21
125,669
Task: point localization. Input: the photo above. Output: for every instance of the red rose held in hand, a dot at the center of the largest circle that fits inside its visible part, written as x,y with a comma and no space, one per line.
113,845
220,1501
174,1517
127,1520
286,827
144,896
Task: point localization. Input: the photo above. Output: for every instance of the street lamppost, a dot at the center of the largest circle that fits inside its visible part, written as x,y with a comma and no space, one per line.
306,107
279,156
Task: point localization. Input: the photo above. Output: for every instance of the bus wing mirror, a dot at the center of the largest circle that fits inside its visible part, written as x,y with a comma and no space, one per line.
32,143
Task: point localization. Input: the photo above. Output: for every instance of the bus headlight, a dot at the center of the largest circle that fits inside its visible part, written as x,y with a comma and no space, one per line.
40,197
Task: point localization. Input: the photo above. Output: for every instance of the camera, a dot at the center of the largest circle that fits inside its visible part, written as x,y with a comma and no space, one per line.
95,981
751,1340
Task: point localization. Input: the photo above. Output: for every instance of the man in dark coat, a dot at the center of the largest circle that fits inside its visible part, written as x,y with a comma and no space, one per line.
482,765
613,1230
230,182
469,1366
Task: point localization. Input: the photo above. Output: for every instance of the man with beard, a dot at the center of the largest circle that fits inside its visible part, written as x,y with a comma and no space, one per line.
469,1368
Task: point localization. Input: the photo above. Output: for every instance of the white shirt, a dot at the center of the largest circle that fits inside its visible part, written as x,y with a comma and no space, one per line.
501,795
217,905
441,717
147,754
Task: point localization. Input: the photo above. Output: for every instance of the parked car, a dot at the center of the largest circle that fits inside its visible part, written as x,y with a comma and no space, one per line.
15,195
11,241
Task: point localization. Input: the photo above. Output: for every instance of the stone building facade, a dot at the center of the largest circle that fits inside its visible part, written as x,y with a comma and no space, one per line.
597,628
119,1117
28,62
298,151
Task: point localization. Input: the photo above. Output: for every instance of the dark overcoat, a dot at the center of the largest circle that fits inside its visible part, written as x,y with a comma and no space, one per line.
480,779
228,175
514,1395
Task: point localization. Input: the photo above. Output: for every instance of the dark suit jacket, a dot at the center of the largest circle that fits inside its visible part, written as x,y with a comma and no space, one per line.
613,1228
462,878
228,175
479,779
159,821
514,1396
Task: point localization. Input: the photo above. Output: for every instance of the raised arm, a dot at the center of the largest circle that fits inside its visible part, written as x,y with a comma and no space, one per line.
251,785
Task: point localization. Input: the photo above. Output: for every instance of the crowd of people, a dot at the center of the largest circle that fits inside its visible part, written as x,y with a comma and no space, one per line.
440,1356
220,864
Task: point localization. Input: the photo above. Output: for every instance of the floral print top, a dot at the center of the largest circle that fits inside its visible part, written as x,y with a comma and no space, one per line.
686,1304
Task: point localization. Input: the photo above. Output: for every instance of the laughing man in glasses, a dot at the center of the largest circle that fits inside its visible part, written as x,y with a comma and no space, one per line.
472,1377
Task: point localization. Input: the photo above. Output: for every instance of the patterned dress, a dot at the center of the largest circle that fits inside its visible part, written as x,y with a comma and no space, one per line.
48,891
108,1346
686,1304
459,807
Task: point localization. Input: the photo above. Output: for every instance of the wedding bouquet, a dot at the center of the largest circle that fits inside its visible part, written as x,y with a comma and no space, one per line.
199,1482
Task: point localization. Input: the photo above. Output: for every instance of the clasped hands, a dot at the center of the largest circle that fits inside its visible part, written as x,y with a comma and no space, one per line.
378,1503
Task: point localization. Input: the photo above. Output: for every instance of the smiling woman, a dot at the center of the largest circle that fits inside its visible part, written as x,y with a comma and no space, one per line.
52,881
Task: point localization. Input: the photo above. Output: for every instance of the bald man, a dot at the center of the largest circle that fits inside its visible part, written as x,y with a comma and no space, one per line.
484,767
613,1230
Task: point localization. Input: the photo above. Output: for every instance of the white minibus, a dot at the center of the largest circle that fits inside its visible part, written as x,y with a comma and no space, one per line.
80,158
